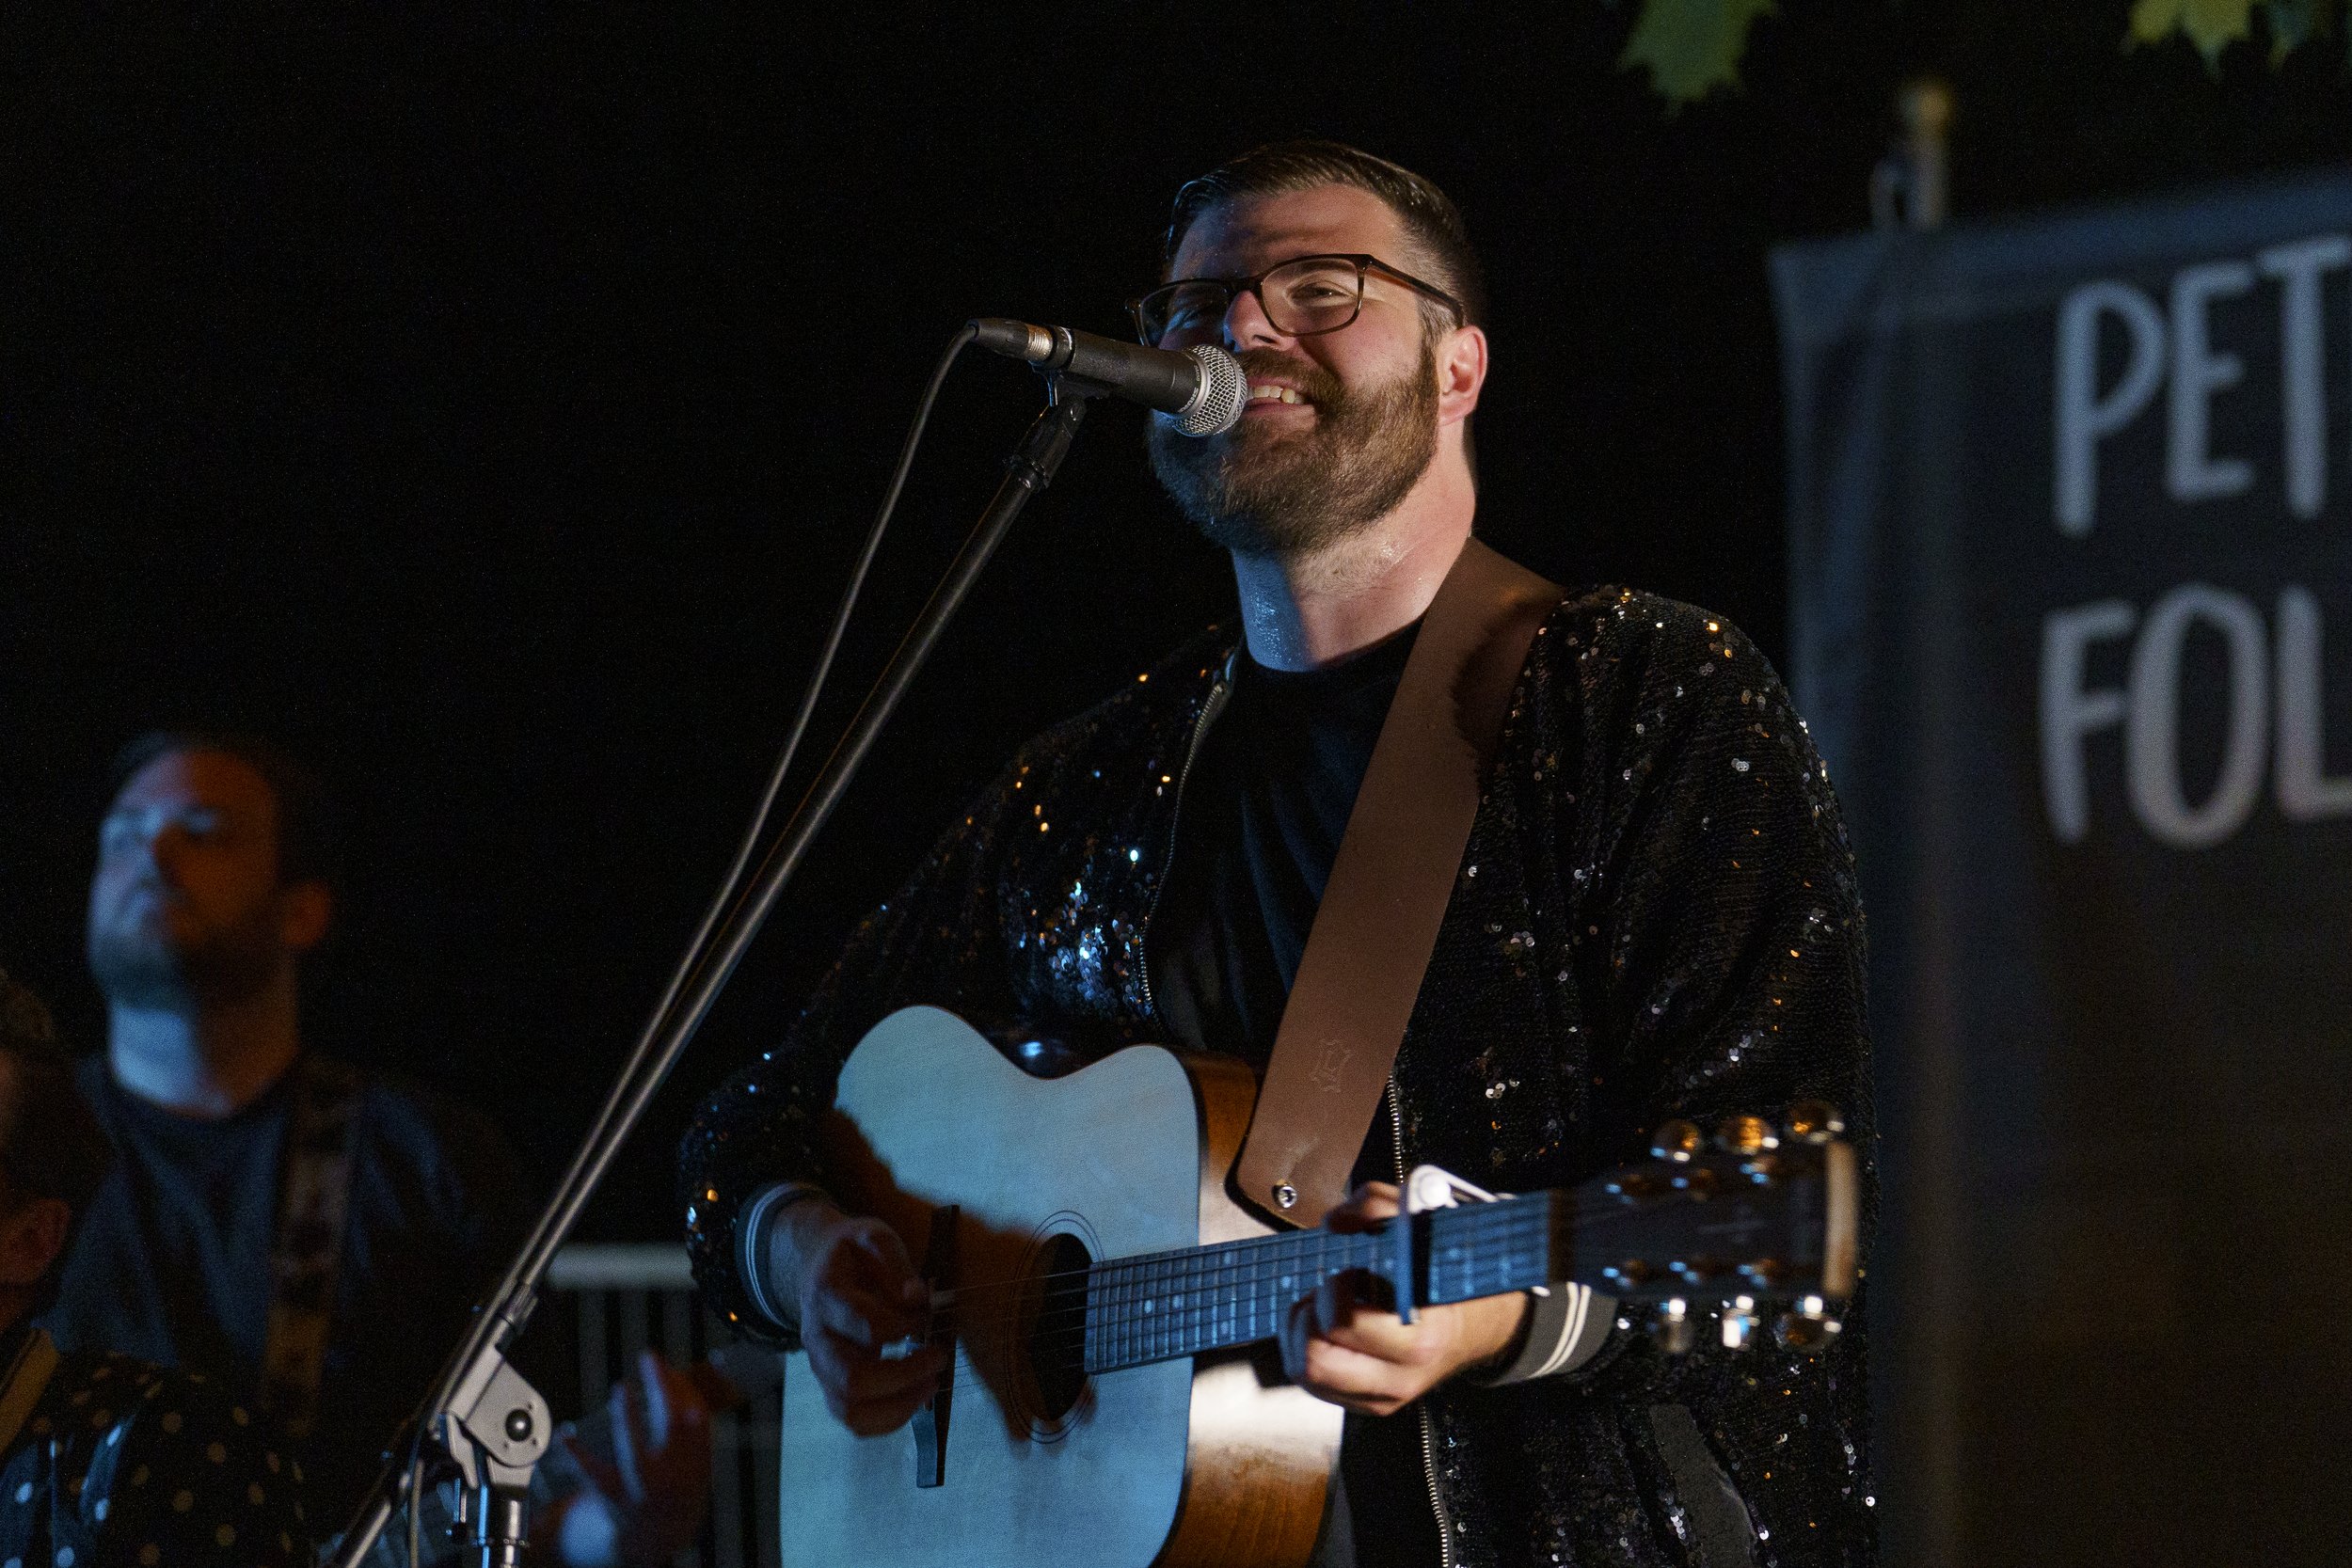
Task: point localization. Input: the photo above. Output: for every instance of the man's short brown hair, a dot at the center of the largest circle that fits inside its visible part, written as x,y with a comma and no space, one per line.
1429,216
309,843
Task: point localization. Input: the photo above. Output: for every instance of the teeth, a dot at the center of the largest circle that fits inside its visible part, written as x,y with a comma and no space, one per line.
1274,394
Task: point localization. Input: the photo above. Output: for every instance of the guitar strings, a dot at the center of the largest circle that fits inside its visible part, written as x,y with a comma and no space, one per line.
1185,1332
1222,1272
1474,1227
1237,1268
1203,1266
1237,1263
1475,1224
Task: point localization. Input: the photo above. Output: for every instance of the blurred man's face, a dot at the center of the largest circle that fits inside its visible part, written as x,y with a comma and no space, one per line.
186,906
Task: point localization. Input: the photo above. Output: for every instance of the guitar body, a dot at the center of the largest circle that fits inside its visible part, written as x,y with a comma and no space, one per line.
1210,1460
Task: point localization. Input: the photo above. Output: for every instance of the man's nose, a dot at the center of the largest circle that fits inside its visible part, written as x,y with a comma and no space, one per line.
1246,325
161,851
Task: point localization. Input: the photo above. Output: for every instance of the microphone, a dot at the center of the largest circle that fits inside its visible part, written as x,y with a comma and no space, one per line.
1202,388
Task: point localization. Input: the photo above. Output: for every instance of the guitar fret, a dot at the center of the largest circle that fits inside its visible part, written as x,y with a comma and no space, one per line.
1130,1315
1164,1317
1186,1301
1197,1299
1182,1303
1228,1296
1213,1299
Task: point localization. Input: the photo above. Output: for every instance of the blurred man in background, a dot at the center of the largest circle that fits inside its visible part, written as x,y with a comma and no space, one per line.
312,1234
105,1459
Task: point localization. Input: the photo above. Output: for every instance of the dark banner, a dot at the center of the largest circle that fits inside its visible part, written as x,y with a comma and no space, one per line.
2071,522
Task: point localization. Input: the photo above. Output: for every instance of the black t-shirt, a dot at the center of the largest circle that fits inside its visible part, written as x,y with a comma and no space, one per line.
171,1263
1264,809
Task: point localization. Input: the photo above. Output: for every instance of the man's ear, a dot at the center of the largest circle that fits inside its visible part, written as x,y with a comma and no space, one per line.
1461,372
30,1238
304,912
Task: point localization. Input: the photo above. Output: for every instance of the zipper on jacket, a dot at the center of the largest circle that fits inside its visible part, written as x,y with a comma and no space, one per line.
1428,1441
1210,706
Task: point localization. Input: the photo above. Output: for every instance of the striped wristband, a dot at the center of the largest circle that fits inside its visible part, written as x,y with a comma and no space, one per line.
751,1249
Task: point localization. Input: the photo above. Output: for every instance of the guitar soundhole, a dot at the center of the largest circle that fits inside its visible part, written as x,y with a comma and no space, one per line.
1057,1341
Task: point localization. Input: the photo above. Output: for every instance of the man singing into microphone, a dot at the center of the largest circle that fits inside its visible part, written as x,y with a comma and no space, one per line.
1655,917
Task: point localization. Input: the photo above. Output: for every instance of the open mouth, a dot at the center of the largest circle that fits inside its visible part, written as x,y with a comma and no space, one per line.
1264,392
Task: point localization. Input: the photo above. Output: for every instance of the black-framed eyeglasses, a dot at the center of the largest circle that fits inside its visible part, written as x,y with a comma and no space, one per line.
1302,296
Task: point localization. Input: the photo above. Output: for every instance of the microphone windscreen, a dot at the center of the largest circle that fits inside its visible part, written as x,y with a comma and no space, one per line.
1224,393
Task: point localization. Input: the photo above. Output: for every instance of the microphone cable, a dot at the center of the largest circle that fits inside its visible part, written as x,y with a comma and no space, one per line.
573,1190
731,888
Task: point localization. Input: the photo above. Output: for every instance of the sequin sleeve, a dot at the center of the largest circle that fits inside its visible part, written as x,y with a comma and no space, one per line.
1726,977
940,941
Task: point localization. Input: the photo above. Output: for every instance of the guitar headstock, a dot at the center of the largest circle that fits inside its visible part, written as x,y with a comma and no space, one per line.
1759,1219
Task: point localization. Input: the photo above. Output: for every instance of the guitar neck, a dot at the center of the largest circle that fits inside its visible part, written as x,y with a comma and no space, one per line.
1162,1306
1700,1225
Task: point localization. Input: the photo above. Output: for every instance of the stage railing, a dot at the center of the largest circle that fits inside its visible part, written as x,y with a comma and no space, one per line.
620,1299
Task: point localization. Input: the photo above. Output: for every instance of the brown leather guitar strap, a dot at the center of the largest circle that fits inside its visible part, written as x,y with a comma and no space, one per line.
1378,922
314,1200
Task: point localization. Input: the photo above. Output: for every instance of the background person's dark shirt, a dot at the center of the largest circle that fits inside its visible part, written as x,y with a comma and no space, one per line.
172,1262
1265,806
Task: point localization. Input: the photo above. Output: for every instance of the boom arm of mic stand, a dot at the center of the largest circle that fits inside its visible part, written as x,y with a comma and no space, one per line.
491,1423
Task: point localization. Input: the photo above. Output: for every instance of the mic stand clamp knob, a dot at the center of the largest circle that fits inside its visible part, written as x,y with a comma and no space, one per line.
496,1430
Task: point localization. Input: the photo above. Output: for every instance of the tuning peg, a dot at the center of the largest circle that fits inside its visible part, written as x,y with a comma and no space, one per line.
1677,1140
1795,1331
1739,1319
1673,1328
1632,1185
1814,1121
1809,1326
1745,1136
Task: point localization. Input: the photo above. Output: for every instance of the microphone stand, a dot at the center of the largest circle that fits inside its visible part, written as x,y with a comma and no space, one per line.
493,1426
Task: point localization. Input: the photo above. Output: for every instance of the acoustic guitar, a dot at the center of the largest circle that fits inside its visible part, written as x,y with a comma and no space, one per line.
1114,1399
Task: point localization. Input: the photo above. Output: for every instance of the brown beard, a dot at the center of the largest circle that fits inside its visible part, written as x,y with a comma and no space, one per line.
1290,493
147,970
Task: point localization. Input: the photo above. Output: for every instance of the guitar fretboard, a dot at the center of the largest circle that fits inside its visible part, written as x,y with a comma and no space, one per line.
1162,1306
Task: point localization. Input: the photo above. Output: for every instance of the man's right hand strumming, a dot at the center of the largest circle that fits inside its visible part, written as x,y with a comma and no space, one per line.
859,1301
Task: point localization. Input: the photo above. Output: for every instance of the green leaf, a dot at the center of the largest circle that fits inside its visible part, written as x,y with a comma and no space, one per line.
2212,26
1693,46
2293,23
2297,22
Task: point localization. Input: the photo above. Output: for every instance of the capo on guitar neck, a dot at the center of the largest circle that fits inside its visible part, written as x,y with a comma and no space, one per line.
1426,1187
1434,1187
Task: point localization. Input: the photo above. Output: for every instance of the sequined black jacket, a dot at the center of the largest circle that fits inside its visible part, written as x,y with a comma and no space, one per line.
1656,916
